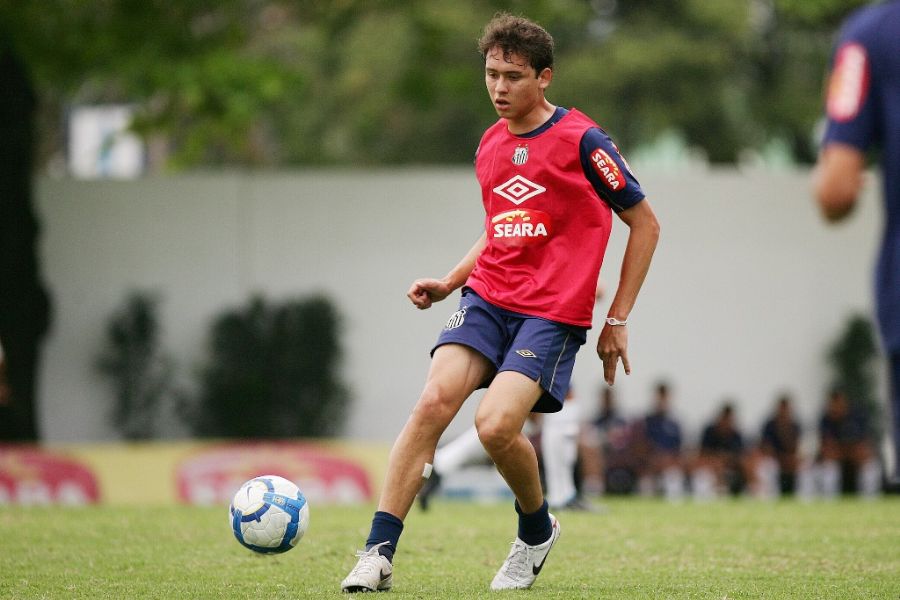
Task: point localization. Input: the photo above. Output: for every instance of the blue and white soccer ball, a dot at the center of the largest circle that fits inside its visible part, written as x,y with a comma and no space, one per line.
269,514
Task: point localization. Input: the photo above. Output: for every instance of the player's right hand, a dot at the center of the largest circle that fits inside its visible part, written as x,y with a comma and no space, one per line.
425,292
612,347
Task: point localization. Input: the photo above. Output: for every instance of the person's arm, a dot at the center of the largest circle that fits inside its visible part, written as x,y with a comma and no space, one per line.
838,180
642,238
424,292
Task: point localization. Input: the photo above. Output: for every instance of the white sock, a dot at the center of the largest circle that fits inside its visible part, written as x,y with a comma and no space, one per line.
767,478
673,484
868,480
829,478
704,484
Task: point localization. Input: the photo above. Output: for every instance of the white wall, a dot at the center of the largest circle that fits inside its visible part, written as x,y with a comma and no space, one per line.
747,288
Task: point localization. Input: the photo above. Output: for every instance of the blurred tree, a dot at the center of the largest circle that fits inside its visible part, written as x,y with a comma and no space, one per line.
274,372
788,63
205,73
24,301
669,66
141,373
366,82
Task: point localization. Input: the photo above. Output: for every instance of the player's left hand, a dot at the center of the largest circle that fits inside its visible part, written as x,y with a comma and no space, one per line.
613,345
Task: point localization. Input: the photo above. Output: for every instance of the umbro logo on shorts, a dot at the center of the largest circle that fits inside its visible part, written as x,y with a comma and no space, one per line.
525,353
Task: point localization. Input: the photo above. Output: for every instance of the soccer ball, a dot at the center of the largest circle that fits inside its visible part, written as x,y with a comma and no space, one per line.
269,514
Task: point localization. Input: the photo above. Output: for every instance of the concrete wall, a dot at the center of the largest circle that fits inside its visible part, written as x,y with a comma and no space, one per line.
747,289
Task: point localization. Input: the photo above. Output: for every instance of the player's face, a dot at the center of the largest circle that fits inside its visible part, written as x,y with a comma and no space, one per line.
515,89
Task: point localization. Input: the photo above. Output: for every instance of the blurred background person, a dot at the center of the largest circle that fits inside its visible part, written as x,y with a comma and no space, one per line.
609,442
720,464
863,113
658,444
462,451
593,441
620,461
559,455
847,458
780,448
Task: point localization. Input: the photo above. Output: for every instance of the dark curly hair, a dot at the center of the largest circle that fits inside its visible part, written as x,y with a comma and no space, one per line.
518,35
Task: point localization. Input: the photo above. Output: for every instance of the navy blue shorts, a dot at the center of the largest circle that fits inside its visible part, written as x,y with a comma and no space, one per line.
538,348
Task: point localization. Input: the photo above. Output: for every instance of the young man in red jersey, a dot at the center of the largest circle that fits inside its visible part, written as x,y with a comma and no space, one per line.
550,180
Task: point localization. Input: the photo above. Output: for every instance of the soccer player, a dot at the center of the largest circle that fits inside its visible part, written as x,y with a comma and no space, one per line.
863,111
550,180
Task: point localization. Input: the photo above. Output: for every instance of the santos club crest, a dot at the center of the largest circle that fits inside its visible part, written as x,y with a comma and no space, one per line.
520,155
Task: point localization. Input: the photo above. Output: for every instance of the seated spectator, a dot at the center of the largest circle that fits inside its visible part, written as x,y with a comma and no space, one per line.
846,448
658,443
780,443
608,459
609,416
591,443
720,464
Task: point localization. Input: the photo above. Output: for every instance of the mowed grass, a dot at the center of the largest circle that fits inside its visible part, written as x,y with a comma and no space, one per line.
635,549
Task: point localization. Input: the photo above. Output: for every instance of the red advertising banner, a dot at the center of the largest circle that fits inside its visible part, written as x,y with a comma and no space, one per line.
212,474
31,475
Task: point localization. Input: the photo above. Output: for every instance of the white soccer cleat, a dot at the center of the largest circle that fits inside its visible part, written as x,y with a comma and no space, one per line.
372,573
524,562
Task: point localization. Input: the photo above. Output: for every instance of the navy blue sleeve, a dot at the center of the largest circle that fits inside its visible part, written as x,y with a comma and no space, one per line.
608,171
850,105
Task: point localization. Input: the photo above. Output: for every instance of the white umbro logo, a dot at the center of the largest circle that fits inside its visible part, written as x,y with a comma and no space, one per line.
525,353
518,189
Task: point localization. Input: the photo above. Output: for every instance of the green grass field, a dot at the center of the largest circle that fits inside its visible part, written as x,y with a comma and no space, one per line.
635,549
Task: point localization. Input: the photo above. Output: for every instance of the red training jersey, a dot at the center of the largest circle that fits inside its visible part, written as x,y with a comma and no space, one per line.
547,229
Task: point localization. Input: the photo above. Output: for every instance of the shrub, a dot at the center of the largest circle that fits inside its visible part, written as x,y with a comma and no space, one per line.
141,373
273,372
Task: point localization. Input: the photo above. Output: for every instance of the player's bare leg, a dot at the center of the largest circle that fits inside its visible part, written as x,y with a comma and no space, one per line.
499,421
456,371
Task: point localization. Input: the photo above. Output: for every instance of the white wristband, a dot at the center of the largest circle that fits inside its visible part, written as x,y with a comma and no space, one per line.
615,322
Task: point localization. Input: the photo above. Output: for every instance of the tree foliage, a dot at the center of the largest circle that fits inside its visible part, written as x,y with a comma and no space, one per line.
366,82
140,371
273,372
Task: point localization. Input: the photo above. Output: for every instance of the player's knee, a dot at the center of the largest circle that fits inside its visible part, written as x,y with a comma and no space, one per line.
435,407
495,432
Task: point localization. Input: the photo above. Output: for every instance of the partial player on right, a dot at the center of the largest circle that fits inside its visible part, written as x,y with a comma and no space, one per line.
863,110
